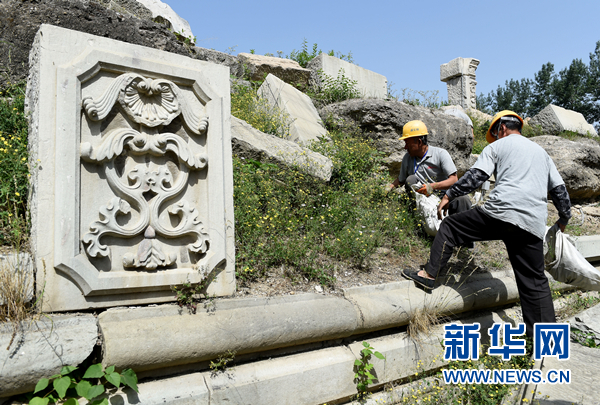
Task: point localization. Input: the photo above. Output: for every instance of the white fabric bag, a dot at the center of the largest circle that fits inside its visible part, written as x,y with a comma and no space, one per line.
427,209
564,262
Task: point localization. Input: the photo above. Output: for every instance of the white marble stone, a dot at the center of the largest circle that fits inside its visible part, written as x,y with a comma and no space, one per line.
306,126
459,75
554,119
369,83
133,185
178,24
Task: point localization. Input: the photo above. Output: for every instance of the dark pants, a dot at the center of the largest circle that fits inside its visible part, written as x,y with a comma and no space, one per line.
459,204
525,252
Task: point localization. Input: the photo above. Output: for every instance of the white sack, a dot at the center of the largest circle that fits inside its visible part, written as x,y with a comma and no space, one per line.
564,262
427,209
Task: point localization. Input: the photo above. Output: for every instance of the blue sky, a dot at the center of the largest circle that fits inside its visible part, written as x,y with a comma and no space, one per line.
407,41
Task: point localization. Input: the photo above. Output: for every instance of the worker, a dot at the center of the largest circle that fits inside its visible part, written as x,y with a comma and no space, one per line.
430,168
515,212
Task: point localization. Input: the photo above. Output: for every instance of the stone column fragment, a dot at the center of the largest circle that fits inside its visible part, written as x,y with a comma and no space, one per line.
459,75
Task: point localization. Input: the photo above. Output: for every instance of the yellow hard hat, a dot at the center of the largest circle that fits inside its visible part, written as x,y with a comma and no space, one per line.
488,136
414,128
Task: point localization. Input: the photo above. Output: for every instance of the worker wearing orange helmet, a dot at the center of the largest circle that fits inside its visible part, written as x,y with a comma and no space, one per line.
429,167
515,212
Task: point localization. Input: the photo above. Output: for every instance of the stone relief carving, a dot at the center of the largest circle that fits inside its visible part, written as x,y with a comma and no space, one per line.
146,188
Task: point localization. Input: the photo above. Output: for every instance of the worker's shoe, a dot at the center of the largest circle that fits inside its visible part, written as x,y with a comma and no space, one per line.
413,275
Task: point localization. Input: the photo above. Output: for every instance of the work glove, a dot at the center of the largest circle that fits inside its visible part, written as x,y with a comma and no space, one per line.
426,190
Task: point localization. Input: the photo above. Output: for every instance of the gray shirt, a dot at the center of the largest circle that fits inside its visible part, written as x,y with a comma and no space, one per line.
524,174
436,165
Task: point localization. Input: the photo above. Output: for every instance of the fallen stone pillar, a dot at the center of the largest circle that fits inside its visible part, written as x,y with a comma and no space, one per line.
40,348
172,336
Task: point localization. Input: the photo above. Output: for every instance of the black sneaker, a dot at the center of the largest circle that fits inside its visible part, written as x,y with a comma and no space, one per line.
422,281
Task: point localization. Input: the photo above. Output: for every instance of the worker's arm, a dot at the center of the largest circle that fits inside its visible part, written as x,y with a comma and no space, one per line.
472,179
562,202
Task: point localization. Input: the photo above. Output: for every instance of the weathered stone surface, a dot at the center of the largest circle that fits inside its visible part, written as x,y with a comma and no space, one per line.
382,121
459,75
584,364
308,378
577,162
220,58
173,337
588,322
251,143
554,119
129,7
41,347
163,10
287,70
141,198
588,246
369,83
306,126
20,20
20,266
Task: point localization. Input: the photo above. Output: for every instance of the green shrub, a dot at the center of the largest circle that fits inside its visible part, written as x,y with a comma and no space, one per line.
332,90
14,166
304,55
256,111
288,220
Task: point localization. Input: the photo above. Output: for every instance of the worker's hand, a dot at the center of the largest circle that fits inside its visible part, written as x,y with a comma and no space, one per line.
389,188
427,189
561,226
442,208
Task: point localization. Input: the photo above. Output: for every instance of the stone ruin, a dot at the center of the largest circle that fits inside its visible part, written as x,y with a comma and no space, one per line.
459,75
133,187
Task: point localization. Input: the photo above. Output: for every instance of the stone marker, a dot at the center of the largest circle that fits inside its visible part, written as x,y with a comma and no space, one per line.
132,191
41,348
306,126
259,66
369,83
248,142
554,119
459,75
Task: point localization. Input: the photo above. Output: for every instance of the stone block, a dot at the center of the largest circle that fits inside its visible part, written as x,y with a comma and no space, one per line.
458,67
369,83
251,143
287,70
588,246
554,119
306,126
18,268
132,191
41,348
309,378
459,75
173,337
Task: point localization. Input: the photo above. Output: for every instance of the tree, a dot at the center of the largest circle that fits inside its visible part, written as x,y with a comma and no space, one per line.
542,89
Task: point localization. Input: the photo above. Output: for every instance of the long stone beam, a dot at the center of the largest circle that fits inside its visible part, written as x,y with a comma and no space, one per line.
165,336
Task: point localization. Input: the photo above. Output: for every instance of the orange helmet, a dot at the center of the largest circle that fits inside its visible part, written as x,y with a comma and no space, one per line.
505,115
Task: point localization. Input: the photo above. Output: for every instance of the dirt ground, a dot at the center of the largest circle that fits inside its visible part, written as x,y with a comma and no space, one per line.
385,266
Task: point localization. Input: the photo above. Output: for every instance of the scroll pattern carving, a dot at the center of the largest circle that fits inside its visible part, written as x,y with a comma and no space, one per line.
146,188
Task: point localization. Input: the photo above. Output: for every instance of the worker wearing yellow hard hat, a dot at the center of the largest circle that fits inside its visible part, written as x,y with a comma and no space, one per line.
427,167
515,212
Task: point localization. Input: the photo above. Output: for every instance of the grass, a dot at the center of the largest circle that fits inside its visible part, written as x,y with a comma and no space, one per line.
248,106
286,219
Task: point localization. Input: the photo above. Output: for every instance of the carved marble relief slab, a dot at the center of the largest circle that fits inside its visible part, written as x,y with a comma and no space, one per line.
139,164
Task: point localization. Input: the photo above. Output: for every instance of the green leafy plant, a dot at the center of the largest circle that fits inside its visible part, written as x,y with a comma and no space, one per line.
333,89
14,166
363,368
223,361
304,55
68,386
186,39
188,295
256,111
